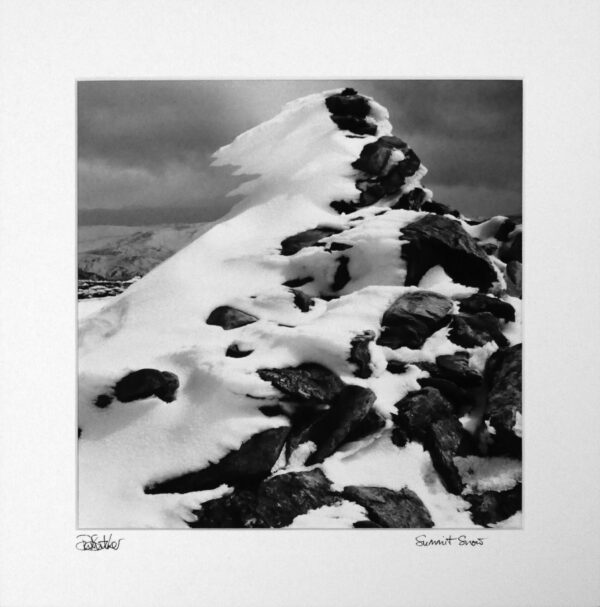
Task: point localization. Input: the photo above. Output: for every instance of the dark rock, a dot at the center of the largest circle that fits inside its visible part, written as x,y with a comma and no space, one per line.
355,125
460,398
502,377
505,229
308,382
308,238
272,410
514,250
395,178
247,465
229,318
145,383
343,207
412,318
330,430
103,401
349,91
298,282
417,411
436,240
455,367
411,201
366,525
342,104
276,502
472,330
443,441
495,506
302,301
387,508
372,422
360,355
397,367
339,246
374,157
374,193
485,303
234,351
342,276
439,208
514,278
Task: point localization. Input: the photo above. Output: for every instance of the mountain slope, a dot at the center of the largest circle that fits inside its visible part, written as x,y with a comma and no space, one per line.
123,252
288,338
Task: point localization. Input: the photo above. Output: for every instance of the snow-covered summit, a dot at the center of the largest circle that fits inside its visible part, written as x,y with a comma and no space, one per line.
294,330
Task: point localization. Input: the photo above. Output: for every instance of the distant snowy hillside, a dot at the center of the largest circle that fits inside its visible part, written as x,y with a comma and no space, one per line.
122,252
340,350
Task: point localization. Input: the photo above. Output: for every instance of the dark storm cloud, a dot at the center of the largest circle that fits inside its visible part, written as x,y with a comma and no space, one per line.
145,147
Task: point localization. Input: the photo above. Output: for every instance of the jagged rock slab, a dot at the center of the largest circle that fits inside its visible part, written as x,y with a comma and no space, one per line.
480,302
443,441
435,240
252,462
229,318
307,382
472,330
360,354
387,508
276,502
495,506
309,238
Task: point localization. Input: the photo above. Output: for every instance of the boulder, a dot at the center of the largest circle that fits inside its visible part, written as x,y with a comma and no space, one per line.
502,377
330,430
397,367
396,176
437,240
275,502
472,330
439,208
309,382
359,126
461,399
234,351
443,441
372,194
302,301
342,276
374,157
411,201
360,354
354,105
103,401
388,508
412,318
308,238
145,383
415,414
480,302
245,466
455,367
372,422
495,506
344,207
229,318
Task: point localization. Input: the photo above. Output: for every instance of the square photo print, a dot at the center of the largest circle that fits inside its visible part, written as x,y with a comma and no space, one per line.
299,304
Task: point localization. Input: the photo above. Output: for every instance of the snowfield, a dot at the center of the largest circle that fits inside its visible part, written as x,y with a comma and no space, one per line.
300,161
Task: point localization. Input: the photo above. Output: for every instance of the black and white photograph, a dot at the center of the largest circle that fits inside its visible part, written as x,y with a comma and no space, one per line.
300,304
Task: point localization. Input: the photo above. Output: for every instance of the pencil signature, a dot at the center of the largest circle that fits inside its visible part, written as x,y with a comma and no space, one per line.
94,543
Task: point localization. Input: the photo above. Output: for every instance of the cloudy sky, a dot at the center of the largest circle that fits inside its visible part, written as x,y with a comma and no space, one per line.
145,147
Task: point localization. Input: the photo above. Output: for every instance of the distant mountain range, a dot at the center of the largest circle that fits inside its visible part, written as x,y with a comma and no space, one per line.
124,252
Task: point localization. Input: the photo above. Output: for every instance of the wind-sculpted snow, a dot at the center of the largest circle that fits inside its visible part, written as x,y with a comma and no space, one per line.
297,314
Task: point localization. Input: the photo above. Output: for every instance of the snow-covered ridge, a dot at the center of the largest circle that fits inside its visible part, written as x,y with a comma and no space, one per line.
321,303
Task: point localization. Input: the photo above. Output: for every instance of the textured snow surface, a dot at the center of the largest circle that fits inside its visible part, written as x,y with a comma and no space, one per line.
297,164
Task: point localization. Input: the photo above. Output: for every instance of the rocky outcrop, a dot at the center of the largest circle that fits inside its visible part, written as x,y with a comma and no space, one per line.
472,330
485,303
229,318
412,318
245,466
349,111
308,238
435,240
387,508
275,502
